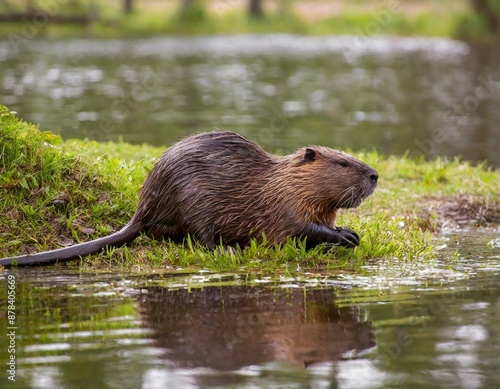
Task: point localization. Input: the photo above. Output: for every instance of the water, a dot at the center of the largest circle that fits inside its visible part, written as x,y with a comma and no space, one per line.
393,325
431,97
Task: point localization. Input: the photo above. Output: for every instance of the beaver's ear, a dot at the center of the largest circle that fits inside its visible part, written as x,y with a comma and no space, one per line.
309,155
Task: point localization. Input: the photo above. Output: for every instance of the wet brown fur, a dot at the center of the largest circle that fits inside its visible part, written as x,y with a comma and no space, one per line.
222,187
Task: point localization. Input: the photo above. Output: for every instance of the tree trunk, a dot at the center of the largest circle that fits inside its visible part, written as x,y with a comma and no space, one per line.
255,8
489,12
186,4
128,6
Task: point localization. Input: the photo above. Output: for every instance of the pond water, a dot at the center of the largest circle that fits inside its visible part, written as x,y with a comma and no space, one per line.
432,325
427,97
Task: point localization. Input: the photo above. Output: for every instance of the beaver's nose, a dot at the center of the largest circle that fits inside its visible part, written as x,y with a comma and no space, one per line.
374,176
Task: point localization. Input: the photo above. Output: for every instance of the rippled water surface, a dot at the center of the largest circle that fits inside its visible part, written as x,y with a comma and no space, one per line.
393,325
426,96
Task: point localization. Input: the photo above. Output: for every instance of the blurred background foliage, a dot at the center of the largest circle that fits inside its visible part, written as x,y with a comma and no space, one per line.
466,19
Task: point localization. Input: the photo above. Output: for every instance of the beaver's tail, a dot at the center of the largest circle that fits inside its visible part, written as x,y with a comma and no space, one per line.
119,238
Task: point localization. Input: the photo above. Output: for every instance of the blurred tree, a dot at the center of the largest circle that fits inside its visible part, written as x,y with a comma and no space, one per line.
489,10
193,10
255,8
128,6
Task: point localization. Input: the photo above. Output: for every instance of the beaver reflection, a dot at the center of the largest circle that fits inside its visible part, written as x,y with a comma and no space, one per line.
226,328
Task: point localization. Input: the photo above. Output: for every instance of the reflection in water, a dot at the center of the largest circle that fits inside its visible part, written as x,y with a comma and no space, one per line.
426,96
437,325
230,328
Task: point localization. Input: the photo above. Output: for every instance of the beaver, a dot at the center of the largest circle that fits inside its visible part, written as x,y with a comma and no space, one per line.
220,188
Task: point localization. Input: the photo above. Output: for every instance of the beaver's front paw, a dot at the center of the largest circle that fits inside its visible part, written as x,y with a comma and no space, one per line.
346,237
338,236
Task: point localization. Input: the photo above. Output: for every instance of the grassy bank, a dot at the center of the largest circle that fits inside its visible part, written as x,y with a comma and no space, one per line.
312,17
55,193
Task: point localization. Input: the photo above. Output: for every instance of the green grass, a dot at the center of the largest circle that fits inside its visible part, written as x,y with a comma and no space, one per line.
364,24
55,193
147,23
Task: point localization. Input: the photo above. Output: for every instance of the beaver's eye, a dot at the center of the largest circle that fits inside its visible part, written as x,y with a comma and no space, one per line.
343,163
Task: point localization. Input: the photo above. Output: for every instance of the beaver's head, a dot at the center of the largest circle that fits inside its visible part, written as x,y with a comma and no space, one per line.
337,179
